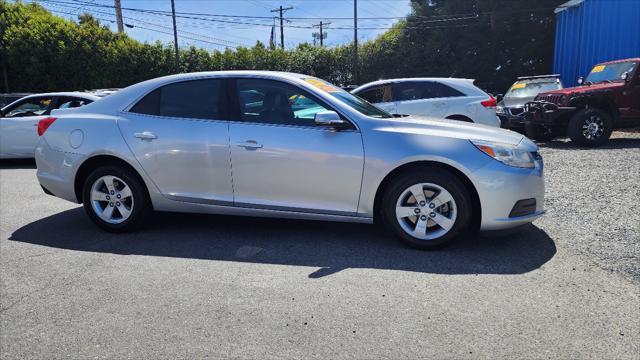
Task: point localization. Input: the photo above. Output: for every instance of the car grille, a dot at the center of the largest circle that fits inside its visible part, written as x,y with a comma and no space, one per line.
552,98
516,111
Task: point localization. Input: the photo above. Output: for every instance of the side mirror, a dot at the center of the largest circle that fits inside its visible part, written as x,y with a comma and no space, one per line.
329,119
580,80
625,76
499,97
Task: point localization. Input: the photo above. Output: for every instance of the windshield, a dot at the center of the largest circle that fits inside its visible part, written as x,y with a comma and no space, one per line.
351,100
610,72
528,88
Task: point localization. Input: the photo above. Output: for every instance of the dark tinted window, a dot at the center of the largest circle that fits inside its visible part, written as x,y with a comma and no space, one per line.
149,104
416,90
377,94
199,99
275,102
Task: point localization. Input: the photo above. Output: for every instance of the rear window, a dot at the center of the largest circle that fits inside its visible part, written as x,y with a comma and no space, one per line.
198,99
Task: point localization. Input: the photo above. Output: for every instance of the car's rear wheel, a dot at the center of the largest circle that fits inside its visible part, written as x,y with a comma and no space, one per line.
590,127
115,199
427,208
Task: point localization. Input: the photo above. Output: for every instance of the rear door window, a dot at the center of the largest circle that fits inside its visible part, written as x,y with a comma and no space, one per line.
197,99
378,94
417,90
71,102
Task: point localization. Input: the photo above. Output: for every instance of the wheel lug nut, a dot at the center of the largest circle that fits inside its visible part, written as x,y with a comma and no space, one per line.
432,205
112,192
432,214
118,203
422,203
423,218
416,210
108,197
118,196
111,204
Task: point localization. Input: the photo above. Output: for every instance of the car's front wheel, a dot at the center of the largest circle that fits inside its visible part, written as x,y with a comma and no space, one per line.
115,199
427,208
590,127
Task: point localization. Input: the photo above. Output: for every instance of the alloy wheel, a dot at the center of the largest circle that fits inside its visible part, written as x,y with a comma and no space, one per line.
111,199
426,211
593,127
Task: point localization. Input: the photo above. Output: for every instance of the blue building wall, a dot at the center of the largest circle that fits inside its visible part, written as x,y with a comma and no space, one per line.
592,31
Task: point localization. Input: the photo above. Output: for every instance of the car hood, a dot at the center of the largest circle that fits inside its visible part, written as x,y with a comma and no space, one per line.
512,102
419,125
586,88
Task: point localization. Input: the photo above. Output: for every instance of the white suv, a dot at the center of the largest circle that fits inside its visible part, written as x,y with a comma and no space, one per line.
456,99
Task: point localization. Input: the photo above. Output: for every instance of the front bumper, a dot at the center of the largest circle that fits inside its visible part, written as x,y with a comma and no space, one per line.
512,122
501,187
546,114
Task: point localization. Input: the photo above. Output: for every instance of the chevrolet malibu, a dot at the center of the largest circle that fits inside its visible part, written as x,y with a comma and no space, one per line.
271,144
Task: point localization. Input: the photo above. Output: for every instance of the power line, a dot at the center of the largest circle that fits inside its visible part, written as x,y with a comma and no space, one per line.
209,38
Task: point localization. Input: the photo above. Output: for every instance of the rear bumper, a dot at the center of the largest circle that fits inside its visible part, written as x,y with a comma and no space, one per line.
56,171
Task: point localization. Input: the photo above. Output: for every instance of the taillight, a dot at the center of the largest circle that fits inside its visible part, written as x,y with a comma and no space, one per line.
490,103
44,124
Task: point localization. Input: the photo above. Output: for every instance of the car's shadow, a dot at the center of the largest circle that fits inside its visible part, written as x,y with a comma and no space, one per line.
17,164
328,247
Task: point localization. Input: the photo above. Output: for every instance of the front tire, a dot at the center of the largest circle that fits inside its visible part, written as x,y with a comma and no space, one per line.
539,133
115,199
426,208
590,127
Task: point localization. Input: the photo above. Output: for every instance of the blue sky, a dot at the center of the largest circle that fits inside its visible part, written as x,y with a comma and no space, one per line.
201,31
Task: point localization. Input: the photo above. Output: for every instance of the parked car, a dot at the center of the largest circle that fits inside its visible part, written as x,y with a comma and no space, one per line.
18,120
607,99
170,144
510,107
455,99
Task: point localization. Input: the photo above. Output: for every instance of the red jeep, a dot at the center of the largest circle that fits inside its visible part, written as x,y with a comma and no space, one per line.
608,98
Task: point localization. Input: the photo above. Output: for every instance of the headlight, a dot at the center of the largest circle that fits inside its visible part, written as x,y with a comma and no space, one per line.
500,110
506,154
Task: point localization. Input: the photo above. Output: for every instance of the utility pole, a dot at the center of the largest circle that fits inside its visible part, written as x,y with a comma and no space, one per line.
281,10
355,42
175,35
322,35
118,7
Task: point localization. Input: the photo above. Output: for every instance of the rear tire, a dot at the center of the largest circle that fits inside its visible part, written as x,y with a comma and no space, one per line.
431,220
590,127
116,199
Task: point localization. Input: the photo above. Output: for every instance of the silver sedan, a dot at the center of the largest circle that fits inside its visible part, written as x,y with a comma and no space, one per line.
256,143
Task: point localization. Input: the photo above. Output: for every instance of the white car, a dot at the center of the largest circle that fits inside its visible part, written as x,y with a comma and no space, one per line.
19,120
449,98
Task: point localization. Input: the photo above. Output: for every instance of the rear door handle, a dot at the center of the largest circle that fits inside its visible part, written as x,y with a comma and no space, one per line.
250,145
146,135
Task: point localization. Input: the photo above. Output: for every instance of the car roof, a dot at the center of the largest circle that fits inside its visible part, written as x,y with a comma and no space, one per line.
435,79
620,61
66,93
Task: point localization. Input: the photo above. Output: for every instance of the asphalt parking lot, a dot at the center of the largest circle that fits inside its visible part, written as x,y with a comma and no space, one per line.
217,286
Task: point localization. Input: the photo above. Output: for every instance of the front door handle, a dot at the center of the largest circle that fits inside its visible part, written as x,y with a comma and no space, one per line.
250,145
146,135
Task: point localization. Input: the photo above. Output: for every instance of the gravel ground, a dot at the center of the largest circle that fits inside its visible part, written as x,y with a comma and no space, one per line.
195,286
593,200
